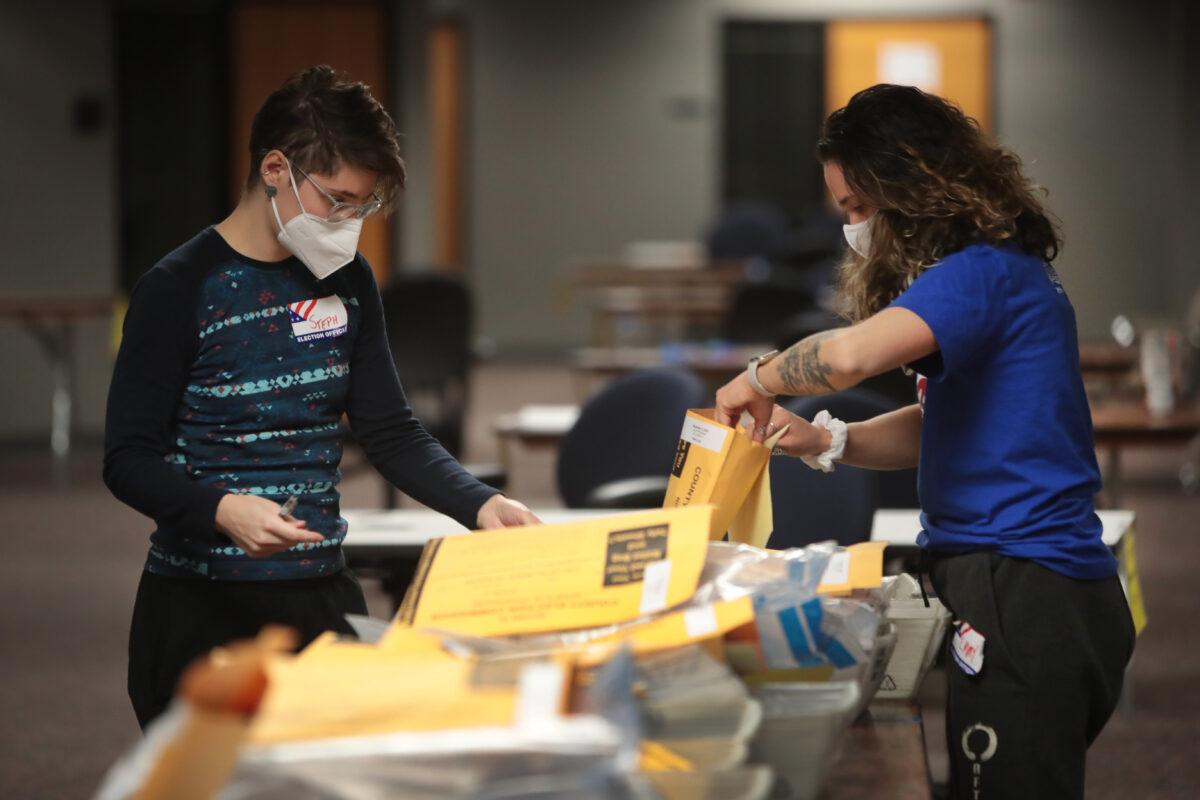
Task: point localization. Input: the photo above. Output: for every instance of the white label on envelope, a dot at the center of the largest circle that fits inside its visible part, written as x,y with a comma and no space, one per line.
540,690
700,621
318,318
837,571
706,434
968,648
656,579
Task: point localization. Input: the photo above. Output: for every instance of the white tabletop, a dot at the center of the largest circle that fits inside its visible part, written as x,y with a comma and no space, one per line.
902,525
411,527
539,420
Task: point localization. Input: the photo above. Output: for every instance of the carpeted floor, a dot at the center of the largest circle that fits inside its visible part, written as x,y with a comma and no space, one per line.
70,560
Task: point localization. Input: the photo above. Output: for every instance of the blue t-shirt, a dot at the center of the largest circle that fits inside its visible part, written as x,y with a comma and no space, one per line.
1008,462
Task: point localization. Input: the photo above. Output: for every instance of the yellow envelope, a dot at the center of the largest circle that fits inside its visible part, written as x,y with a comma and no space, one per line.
724,467
859,566
559,577
217,693
351,689
676,629
198,760
1133,583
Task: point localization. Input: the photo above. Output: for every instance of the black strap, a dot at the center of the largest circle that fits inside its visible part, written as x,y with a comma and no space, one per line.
922,572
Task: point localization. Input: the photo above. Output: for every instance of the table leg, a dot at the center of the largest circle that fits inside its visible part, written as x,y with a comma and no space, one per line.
1113,479
504,446
58,344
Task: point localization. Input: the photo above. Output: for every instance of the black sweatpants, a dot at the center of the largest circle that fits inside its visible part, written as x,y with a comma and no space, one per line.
177,620
1054,656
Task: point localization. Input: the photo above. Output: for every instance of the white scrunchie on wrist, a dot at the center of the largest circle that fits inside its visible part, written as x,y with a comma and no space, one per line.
837,446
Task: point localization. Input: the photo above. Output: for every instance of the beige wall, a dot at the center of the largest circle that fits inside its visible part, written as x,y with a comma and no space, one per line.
58,223
574,147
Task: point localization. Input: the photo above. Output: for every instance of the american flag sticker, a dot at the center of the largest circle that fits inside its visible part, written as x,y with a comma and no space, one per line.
320,318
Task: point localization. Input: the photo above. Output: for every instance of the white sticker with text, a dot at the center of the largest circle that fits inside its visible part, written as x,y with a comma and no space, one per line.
656,579
700,621
968,648
837,572
318,318
708,435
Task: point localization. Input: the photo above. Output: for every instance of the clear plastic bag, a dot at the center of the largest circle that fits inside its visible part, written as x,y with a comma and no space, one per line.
737,570
574,757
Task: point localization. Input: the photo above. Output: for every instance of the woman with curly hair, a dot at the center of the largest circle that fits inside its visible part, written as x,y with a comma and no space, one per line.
948,274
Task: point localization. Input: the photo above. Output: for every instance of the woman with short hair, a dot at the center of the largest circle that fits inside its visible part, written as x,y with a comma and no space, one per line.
242,350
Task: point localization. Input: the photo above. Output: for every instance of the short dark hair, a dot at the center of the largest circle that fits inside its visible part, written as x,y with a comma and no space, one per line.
322,121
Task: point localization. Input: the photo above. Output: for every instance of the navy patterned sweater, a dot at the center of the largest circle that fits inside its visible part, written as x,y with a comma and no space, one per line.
232,377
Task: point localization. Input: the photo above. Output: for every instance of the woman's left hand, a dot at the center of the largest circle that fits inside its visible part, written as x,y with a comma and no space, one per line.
738,396
802,437
502,512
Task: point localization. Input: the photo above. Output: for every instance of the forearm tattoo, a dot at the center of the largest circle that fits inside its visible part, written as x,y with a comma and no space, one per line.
802,370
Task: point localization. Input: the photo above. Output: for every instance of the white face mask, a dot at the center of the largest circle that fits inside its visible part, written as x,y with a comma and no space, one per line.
324,247
858,236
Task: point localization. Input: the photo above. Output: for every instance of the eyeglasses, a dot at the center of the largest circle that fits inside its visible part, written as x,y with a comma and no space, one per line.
339,211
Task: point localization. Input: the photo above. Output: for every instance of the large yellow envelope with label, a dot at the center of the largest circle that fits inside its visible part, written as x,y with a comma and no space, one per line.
558,577
724,467
337,689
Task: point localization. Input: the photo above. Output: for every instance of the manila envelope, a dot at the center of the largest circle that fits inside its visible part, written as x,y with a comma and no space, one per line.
335,689
546,578
724,467
859,566
682,627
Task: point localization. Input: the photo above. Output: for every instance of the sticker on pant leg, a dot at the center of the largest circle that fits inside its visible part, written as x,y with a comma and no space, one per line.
967,646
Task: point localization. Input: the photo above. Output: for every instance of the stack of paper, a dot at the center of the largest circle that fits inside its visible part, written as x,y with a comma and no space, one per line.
802,731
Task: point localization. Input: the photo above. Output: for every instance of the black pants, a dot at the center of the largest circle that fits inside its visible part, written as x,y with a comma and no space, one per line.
176,620
1055,653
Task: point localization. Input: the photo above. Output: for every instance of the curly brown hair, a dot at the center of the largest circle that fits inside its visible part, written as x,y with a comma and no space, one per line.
939,183
321,121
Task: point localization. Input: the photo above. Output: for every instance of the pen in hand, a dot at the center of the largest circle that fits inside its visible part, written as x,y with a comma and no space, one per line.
288,506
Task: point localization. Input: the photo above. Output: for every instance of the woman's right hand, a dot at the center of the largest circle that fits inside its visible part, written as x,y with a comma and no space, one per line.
802,439
254,524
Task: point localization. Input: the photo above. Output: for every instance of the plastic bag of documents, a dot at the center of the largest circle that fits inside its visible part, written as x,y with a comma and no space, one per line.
737,570
743,783
687,694
799,632
802,732
543,754
570,757
731,571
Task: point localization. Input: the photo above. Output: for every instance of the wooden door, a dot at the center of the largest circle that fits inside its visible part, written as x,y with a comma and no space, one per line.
271,40
446,53
947,57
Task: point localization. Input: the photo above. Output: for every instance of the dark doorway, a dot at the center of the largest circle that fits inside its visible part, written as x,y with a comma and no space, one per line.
173,124
774,99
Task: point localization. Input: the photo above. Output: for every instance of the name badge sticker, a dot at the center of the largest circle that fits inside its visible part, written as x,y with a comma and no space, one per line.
968,648
319,318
